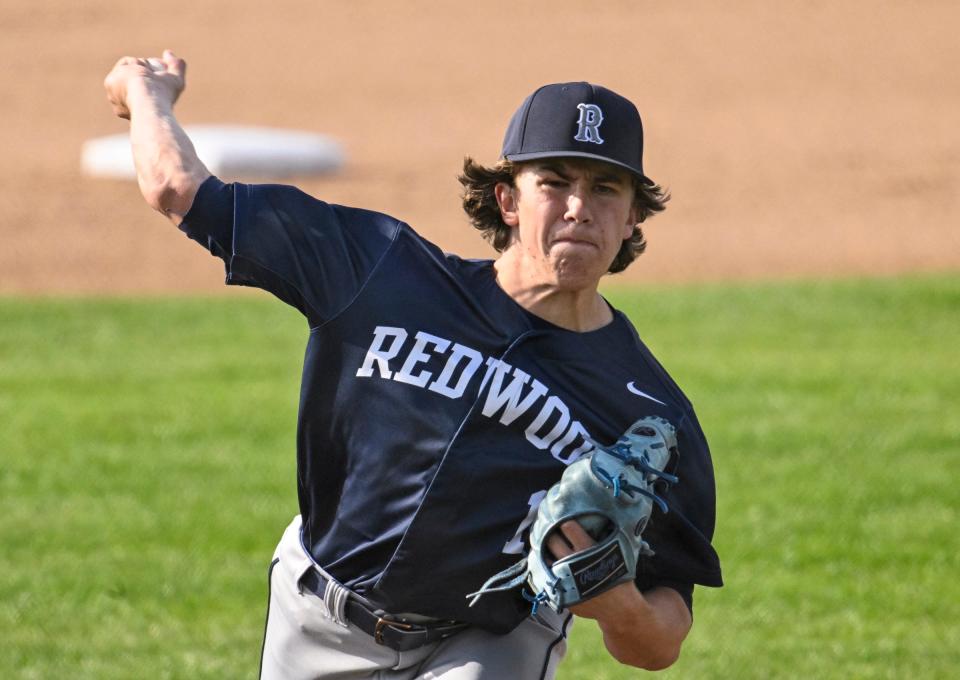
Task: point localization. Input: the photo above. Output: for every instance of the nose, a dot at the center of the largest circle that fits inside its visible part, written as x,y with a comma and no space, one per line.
578,207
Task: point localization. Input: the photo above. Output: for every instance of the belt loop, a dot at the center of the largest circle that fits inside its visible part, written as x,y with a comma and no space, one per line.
335,598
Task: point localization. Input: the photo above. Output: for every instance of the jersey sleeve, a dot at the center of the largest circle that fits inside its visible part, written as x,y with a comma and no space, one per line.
313,255
209,221
682,538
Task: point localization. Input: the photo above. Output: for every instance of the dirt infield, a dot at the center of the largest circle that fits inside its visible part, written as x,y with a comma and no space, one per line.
796,138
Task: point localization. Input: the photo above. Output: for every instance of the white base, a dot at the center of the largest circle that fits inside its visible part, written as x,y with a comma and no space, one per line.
227,151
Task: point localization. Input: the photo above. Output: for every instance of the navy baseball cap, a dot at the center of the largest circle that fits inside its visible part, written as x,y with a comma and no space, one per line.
580,120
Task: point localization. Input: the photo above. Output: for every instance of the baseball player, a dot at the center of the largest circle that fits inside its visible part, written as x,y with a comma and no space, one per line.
443,397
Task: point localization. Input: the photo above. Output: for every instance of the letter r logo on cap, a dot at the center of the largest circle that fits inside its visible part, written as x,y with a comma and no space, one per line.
588,126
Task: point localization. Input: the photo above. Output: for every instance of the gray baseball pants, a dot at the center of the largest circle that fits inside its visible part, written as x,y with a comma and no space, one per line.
307,637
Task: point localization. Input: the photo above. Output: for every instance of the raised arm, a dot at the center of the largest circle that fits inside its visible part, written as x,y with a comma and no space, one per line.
144,91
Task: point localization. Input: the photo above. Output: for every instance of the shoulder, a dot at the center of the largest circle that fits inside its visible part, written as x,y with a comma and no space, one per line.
642,353
291,204
413,246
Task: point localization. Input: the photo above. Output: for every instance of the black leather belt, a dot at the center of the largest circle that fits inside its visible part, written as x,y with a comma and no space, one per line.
388,630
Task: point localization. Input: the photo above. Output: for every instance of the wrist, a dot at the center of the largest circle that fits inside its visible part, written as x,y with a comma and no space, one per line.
145,94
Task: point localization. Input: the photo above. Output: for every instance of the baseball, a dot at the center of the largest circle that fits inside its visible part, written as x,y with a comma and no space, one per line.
156,64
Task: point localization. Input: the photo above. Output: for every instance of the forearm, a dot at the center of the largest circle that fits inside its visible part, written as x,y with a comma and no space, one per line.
168,169
644,630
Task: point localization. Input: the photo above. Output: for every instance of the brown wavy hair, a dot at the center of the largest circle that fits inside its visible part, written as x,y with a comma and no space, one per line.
480,204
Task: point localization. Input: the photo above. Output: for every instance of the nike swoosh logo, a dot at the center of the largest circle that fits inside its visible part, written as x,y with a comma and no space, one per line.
641,393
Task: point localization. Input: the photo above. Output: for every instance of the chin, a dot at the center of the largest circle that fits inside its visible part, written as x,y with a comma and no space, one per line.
570,277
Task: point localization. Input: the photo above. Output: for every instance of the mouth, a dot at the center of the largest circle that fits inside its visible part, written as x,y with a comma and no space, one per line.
576,242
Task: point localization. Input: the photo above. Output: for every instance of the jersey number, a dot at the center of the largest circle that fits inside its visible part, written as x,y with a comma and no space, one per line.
515,546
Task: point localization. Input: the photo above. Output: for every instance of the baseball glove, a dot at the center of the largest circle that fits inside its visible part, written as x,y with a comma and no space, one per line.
610,492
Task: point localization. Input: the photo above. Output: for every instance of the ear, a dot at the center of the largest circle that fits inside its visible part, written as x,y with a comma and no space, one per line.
631,223
506,196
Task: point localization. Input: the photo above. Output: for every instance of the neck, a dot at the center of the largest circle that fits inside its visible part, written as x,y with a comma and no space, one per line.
578,309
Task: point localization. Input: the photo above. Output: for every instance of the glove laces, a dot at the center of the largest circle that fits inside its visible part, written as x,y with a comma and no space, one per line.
534,600
641,462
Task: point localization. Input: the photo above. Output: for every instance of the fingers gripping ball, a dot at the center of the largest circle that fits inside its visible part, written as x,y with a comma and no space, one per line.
610,492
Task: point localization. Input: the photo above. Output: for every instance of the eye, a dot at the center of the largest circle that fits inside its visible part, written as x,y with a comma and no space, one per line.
606,189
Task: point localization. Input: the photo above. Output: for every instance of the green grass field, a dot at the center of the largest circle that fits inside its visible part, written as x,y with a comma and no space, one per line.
147,470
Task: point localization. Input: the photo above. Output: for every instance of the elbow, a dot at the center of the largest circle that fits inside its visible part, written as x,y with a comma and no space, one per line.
662,661
655,659
171,196
158,193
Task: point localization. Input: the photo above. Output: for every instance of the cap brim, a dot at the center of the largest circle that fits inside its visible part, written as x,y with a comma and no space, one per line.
534,155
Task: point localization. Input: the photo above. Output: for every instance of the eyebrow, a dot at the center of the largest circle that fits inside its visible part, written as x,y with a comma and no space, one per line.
555,168
602,176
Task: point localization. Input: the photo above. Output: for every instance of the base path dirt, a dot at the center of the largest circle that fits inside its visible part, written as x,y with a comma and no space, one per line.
815,140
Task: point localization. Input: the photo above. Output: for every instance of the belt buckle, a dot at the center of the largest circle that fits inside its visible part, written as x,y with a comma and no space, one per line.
382,622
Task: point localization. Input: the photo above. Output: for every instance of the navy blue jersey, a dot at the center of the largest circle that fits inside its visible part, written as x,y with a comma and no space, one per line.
435,411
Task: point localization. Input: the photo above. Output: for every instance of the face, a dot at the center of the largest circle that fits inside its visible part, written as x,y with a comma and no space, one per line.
569,219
